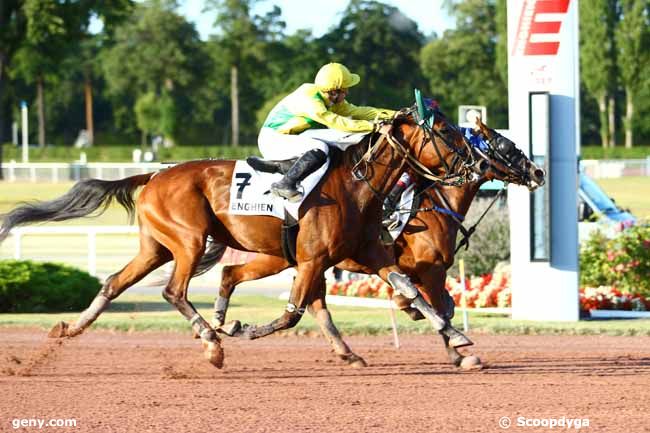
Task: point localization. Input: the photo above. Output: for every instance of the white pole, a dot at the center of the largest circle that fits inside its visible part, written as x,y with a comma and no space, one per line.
393,321
23,109
14,133
461,266
92,253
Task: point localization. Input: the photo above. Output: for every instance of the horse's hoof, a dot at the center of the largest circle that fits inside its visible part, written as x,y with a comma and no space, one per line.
230,329
213,352
354,360
471,362
59,330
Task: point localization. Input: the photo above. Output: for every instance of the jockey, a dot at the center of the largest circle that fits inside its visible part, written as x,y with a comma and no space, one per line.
290,129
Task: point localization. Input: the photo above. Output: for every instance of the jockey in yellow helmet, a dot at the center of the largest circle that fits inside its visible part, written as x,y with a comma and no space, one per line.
294,127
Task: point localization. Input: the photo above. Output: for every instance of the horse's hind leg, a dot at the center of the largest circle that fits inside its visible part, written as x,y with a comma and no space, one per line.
187,255
304,288
318,309
261,266
151,256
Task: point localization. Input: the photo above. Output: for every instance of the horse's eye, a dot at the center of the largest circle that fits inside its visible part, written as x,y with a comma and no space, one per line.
444,130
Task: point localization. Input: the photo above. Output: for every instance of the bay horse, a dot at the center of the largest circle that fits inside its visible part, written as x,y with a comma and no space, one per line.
180,207
424,250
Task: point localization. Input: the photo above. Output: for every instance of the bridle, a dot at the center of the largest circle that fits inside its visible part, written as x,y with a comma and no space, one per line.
462,168
504,152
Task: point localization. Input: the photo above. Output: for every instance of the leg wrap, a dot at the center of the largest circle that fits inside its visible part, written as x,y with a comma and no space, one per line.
402,285
99,304
220,308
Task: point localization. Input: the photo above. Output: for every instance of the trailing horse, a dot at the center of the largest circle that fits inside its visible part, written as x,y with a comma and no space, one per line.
425,249
179,208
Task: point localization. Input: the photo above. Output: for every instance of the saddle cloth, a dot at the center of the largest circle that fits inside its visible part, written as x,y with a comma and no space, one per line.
250,192
403,211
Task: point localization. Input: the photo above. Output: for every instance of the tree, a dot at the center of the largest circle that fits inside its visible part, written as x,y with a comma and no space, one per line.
597,59
461,66
633,41
157,51
382,45
242,40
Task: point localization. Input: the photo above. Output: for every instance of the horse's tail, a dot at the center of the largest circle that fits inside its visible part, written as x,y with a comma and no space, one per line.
85,197
213,253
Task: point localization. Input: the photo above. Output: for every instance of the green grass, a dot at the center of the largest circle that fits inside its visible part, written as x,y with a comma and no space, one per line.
619,152
629,193
152,313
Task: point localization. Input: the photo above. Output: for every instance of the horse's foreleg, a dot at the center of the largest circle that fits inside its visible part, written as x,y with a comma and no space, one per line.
304,288
378,259
151,256
261,266
432,286
318,309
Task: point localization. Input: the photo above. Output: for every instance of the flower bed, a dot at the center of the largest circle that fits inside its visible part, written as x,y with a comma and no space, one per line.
493,290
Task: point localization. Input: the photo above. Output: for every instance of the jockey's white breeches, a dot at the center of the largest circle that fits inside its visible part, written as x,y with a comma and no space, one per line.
277,146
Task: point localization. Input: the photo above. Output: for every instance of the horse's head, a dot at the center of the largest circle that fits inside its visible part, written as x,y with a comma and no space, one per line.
503,160
436,148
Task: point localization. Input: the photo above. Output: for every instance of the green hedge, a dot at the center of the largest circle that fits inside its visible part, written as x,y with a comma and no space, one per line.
124,153
30,287
619,152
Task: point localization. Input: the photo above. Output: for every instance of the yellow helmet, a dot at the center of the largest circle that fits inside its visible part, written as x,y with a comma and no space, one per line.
335,76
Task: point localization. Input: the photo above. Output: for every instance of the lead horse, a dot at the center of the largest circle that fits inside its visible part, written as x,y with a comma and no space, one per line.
425,249
179,208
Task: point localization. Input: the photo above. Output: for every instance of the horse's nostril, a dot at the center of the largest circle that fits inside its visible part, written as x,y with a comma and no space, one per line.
484,165
540,174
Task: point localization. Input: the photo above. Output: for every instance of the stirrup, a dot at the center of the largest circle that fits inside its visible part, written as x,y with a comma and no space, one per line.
292,195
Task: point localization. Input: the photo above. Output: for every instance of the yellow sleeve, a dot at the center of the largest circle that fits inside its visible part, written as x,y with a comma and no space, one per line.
364,113
318,112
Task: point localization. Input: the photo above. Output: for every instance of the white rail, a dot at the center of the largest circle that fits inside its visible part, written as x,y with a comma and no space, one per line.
61,172
90,231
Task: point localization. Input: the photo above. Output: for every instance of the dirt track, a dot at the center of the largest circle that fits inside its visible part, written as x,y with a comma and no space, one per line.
158,382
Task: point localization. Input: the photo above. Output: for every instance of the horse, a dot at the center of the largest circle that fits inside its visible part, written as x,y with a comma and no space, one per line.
424,250
180,207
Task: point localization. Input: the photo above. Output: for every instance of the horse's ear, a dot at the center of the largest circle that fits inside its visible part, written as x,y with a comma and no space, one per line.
480,126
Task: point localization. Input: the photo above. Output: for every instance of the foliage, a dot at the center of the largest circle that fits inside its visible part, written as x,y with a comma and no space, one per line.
146,46
44,287
490,244
598,152
147,113
382,45
156,36
622,262
461,66
598,54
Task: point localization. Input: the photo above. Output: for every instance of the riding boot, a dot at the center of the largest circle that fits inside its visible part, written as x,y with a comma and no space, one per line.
269,165
309,162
